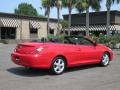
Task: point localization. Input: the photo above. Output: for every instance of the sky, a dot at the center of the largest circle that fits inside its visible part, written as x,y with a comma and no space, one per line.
8,6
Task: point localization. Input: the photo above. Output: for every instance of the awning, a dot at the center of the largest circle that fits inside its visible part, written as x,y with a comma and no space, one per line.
94,28
8,22
53,25
35,24
117,27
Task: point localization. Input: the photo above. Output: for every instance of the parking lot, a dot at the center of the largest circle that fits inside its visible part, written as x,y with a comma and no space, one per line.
93,77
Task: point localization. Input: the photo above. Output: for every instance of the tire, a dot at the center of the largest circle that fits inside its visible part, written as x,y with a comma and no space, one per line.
105,59
58,66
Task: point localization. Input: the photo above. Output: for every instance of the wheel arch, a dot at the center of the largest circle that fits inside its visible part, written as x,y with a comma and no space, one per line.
62,56
53,60
108,54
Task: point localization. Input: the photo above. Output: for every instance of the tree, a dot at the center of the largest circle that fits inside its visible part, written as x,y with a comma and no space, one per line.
26,9
70,4
64,24
85,5
47,4
108,6
58,4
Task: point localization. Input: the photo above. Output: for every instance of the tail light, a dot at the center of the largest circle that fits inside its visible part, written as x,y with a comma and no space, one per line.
28,49
37,50
18,47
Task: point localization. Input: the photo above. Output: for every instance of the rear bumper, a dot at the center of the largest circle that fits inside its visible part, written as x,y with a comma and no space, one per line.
26,60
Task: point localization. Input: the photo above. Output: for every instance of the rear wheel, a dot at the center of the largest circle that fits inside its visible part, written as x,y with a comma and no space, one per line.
58,66
105,59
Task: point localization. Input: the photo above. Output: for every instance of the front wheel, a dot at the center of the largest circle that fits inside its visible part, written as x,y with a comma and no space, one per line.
105,59
58,66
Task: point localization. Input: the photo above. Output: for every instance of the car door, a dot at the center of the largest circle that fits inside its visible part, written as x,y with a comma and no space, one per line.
88,51
72,50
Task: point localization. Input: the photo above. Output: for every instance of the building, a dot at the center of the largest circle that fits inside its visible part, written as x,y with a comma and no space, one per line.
20,27
97,22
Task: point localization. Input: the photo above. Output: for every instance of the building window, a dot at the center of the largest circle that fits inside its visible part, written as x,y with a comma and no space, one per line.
33,33
51,31
8,33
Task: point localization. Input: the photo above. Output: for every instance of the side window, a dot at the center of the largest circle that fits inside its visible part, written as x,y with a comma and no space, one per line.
78,40
84,41
70,41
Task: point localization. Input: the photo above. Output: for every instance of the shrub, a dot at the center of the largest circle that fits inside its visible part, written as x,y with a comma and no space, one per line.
4,41
109,41
57,38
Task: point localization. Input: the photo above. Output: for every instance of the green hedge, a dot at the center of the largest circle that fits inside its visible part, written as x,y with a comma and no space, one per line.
109,41
4,41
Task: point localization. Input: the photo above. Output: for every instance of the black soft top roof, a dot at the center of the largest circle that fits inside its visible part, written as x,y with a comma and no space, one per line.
72,36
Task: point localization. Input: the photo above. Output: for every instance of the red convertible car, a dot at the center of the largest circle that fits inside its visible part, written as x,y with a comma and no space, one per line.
56,57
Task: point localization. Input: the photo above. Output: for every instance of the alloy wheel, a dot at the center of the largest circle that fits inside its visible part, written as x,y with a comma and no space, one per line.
105,60
58,66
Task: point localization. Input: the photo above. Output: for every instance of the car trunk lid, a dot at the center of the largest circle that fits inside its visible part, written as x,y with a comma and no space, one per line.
25,48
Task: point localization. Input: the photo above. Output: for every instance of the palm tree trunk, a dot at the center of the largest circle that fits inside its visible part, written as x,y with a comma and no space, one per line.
0,34
69,25
48,21
87,22
58,14
108,21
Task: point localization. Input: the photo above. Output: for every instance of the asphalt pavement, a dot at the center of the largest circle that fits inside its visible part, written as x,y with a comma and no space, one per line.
92,77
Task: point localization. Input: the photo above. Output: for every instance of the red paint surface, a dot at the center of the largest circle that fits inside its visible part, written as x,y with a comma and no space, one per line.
74,54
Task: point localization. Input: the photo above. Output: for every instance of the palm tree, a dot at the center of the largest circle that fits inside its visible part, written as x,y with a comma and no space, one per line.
70,4
85,5
47,4
108,6
58,4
